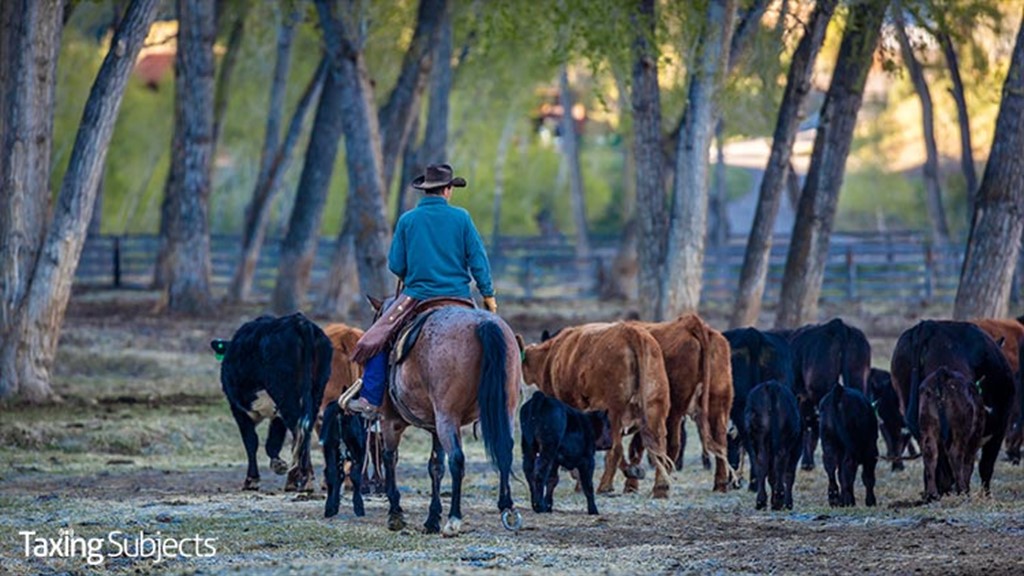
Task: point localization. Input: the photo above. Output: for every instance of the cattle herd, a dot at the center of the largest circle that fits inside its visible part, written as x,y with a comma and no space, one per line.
767,397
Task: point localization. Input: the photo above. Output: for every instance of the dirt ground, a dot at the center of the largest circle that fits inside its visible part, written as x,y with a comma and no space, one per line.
143,442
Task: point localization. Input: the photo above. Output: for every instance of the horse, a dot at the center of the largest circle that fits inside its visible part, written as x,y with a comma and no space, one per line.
463,367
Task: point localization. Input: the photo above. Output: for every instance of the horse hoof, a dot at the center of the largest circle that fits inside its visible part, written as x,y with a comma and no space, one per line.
512,520
452,527
251,484
605,489
278,466
396,522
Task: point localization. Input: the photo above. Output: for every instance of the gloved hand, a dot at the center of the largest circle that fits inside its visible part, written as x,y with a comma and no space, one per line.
491,304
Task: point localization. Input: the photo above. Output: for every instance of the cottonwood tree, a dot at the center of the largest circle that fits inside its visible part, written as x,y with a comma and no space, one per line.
993,247
40,247
183,263
808,249
754,271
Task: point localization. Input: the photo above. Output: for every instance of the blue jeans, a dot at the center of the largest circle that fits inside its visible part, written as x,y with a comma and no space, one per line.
374,374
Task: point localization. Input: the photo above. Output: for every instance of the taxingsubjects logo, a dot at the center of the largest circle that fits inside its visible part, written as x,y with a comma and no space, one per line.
96,550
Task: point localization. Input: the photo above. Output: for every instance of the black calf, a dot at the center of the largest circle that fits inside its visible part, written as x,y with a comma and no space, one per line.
348,429
276,368
772,421
554,435
890,422
849,438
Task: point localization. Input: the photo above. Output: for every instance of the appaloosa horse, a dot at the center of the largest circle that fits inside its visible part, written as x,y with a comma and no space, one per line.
463,367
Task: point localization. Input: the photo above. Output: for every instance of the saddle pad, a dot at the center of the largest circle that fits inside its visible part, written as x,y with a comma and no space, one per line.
407,337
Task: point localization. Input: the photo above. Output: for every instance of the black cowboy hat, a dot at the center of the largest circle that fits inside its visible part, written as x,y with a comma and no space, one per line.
438,176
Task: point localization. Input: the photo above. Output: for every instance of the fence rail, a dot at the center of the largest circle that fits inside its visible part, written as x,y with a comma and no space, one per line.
897,266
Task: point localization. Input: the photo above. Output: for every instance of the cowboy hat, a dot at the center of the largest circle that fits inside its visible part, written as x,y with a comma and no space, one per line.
438,176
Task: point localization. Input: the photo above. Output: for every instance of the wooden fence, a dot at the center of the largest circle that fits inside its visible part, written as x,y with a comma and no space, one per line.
864,267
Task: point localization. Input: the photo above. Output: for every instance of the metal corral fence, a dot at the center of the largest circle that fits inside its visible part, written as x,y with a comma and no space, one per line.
865,267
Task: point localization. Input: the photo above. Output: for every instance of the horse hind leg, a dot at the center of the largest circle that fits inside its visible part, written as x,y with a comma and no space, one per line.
436,469
451,442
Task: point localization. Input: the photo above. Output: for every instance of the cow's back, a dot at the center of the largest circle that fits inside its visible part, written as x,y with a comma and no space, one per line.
1010,331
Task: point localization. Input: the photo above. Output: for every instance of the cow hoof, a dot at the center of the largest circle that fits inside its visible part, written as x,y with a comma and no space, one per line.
635,472
278,466
602,489
721,487
632,485
451,527
396,522
251,484
660,492
761,505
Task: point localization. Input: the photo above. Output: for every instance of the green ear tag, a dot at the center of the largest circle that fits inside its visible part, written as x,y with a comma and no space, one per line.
219,356
522,356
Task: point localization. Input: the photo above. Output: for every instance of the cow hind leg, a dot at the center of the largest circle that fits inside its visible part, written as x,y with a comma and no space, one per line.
759,471
436,469
847,476
275,440
778,481
831,463
611,460
867,476
586,475
247,428
989,454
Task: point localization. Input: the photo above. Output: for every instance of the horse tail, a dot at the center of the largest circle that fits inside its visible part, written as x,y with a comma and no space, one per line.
309,411
492,396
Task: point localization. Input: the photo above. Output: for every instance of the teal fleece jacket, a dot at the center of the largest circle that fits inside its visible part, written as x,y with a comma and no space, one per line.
435,249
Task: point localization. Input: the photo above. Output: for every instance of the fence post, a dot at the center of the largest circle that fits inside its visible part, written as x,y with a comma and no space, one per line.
851,274
117,261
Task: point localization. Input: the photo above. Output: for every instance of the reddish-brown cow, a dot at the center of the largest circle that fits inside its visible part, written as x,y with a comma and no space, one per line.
699,373
613,367
1012,334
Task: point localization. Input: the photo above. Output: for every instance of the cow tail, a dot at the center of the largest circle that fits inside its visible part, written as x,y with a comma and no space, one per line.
710,444
309,410
492,396
839,421
756,346
844,361
644,360
915,384
330,438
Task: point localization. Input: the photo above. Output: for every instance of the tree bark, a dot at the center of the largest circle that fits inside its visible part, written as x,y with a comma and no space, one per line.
993,246
299,245
808,250
688,222
411,167
395,117
650,183
966,148
500,161
267,185
932,189
571,156
719,201
30,34
28,349
366,228
754,272
187,241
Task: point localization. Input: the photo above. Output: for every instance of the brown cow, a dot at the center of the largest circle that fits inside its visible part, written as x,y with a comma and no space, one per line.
343,370
1012,334
697,362
613,367
952,421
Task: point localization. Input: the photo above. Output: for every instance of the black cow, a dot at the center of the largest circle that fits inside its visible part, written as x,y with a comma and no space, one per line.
964,348
555,434
772,421
756,357
849,438
349,430
952,419
890,422
824,354
276,368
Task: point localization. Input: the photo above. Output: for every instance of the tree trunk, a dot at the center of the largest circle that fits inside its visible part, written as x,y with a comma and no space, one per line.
96,220
411,167
808,250
932,189
994,243
619,283
366,228
29,346
227,68
395,116
30,34
571,156
188,192
650,181
299,245
719,201
966,148
779,169
500,161
689,216
267,185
